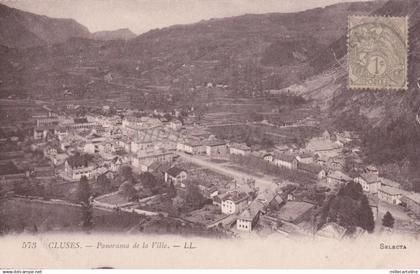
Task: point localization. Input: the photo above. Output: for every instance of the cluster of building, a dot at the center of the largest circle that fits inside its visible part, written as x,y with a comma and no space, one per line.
323,158
93,145
145,142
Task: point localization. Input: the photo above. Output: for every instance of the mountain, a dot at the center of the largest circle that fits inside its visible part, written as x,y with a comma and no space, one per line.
386,120
23,29
303,53
248,53
120,34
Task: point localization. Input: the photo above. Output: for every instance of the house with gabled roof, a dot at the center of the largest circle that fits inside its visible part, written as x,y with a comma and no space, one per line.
239,149
370,182
337,178
389,182
315,170
305,157
191,146
116,163
412,202
175,175
79,165
294,212
372,169
269,157
249,217
234,202
208,190
321,159
216,148
391,195
285,160
336,163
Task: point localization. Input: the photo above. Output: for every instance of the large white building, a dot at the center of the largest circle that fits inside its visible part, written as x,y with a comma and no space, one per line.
390,194
249,217
77,166
234,202
193,147
369,182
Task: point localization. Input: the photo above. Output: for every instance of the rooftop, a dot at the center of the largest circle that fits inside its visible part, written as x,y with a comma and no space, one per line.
414,196
339,176
240,146
371,168
193,143
370,178
152,153
79,160
389,182
320,144
250,213
80,120
310,168
284,157
174,171
306,155
235,196
214,143
391,190
293,210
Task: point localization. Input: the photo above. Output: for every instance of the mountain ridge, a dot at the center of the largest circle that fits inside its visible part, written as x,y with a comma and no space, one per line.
24,29
21,29
119,34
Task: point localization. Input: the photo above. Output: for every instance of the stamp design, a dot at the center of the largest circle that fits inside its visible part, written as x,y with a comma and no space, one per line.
377,52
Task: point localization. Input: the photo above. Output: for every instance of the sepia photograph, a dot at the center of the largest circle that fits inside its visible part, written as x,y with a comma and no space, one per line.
209,134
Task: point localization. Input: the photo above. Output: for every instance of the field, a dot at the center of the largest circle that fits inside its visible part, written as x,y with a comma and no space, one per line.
30,216
21,215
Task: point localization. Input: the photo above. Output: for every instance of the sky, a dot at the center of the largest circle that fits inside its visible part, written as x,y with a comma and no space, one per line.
143,15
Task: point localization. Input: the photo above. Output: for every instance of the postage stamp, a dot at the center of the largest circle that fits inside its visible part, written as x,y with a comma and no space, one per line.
377,52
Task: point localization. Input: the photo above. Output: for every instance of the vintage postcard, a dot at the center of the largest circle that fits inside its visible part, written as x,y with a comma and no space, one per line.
209,134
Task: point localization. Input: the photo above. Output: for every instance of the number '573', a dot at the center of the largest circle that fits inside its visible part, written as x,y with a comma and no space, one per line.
28,244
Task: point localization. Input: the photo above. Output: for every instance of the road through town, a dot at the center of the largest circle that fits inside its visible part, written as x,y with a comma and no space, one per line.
263,183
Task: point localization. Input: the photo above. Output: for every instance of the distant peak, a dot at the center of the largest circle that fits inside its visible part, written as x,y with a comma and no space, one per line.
119,34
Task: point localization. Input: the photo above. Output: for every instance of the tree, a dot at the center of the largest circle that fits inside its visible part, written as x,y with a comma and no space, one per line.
127,189
194,198
37,189
178,203
148,180
416,185
126,172
3,219
104,182
47,191
267,142
87,217
366,220
83,191
172,190
353,190
388,220
349,208
83,196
